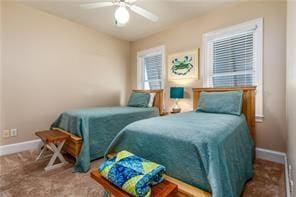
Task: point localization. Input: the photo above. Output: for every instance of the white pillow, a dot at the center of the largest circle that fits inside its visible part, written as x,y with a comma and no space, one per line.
151,100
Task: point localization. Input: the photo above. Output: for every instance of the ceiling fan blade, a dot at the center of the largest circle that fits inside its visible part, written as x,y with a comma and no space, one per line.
144,13
131,1
96,5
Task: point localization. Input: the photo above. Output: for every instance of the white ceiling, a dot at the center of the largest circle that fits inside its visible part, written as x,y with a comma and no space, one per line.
170,12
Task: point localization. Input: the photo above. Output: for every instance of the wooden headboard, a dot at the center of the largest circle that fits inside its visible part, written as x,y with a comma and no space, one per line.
158,99
248,102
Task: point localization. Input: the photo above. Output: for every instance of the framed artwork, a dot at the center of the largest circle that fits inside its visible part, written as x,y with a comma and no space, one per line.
183,65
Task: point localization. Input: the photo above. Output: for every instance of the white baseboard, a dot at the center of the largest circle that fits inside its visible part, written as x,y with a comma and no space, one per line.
19,147
287,181
278,157
270,155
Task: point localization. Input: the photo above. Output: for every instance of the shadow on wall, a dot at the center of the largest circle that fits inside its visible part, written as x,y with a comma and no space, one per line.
185,103
272,126
114,98
97,98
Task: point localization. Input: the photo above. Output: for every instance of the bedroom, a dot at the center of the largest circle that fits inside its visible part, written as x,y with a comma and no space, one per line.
58,56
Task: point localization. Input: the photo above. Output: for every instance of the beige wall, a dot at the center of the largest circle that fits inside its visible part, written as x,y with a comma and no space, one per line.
271,133
0,67
291,86
51,64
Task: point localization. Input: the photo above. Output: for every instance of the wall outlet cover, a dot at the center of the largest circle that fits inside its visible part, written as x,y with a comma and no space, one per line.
13,132
5,133
291,187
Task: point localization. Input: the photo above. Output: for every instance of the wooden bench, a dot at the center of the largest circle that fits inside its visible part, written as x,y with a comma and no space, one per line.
53,141
163,189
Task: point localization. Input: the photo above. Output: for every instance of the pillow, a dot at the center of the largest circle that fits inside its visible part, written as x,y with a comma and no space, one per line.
151,100
221,102
138,99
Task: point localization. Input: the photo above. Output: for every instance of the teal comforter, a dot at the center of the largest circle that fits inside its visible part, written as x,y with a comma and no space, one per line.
210,151
97,127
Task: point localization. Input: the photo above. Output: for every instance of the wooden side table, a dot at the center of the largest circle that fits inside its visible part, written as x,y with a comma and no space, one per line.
53,141
163,189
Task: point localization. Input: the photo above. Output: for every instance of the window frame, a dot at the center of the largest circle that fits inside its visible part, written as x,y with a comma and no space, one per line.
141,72
230,31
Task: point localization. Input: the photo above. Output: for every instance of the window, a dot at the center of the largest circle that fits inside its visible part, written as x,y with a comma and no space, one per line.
233,57
151,68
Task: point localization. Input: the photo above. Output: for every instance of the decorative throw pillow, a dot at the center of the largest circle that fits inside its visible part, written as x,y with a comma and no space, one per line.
151,100
138,99
221,102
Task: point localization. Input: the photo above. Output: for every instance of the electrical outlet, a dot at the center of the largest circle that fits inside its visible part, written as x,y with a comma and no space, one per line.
290,172
5,133
291,182
291,187
13,132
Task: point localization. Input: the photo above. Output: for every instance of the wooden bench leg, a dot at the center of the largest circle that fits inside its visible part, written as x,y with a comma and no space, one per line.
45,153
107,194
56,154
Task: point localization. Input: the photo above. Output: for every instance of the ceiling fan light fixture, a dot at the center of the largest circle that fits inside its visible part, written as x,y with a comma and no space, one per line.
119,24
122,15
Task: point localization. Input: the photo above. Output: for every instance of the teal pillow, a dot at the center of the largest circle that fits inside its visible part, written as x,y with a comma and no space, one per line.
221,102
138,99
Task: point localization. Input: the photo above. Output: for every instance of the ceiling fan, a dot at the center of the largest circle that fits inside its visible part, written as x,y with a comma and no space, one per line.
121,14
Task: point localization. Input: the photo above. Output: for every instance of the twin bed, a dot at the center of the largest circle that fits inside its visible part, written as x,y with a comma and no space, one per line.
203,152
93,129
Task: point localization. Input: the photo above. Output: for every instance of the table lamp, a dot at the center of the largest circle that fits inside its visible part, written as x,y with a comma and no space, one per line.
176,93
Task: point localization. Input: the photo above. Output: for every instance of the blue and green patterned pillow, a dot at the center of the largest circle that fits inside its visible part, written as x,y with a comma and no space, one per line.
138,99
221,102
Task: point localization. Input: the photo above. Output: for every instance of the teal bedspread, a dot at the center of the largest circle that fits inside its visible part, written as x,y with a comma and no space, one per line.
210,151
97,127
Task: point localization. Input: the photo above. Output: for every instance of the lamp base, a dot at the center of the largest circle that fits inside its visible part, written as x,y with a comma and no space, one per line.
176,108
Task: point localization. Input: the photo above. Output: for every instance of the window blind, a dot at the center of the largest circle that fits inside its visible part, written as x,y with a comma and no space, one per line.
153,71
232,61
233,57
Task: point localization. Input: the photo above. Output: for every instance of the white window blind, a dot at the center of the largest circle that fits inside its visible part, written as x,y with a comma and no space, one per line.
150,69
152,72
233,57
233,61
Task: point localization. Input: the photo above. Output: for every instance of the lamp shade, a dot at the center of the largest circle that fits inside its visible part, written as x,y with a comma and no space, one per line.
176,92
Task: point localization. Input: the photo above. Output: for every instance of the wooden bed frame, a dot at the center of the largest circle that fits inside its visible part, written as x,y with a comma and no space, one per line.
74,143
248,103
248,109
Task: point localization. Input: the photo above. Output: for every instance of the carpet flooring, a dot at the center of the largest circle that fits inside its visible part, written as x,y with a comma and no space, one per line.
21,175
